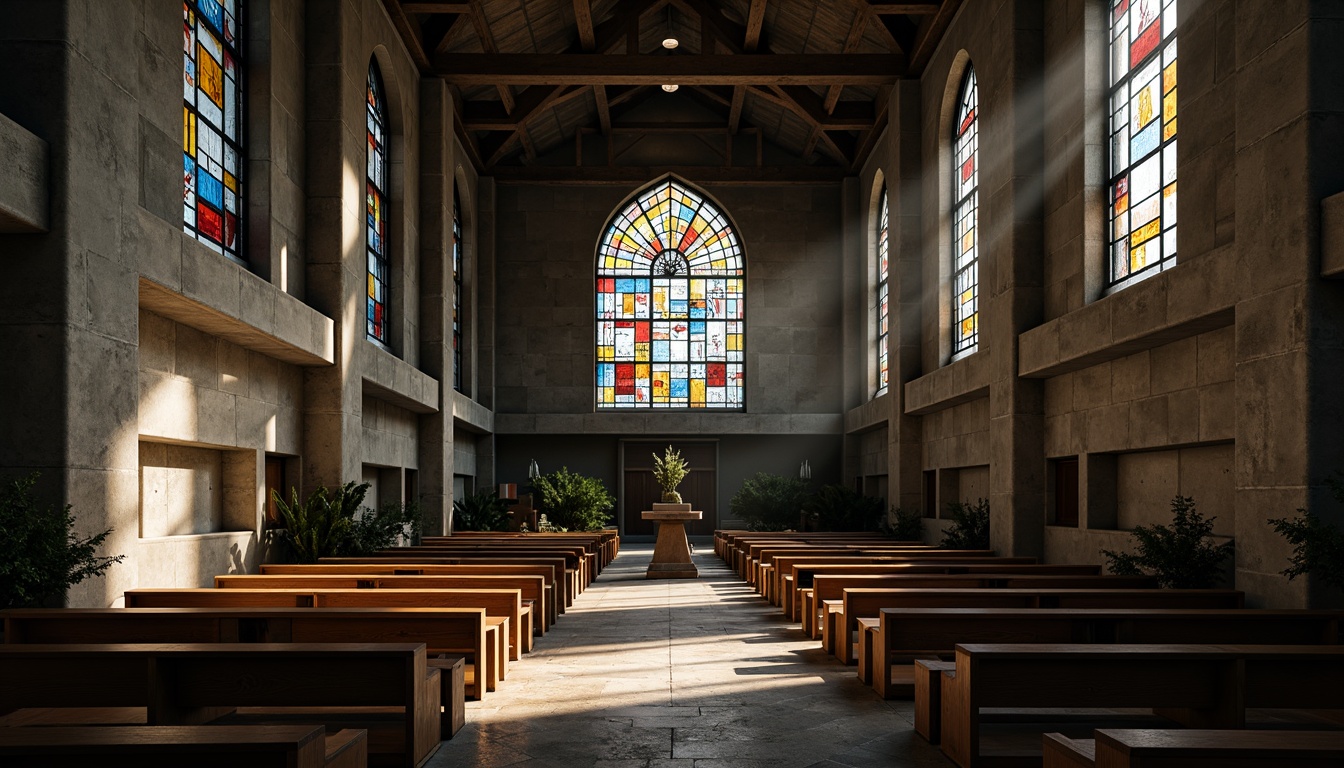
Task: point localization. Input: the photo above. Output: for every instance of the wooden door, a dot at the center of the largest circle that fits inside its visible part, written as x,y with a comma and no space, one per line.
639,490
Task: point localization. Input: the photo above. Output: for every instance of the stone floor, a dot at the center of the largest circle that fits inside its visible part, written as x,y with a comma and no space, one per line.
682,674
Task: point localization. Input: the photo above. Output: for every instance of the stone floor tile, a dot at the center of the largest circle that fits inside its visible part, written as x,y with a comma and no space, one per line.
698,673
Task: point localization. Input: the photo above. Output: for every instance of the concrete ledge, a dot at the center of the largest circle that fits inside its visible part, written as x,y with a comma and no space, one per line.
277,324
955,383
1188,300
24,192
471,415
393,380
874,413
1332,236
670,423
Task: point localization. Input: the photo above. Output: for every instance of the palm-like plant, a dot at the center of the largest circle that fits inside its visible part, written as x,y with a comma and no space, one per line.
669,470
322,524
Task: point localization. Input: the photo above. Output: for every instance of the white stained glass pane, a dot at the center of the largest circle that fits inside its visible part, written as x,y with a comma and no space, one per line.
1169,206
1146,211
1169,20
624,340
1169,163
1143,181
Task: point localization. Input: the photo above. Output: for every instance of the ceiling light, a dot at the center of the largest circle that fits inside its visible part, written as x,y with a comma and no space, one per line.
671,87
670,42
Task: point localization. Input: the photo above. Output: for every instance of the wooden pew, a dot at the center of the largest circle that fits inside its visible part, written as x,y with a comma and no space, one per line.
1195,748
485,648
495,594
173,746
387,689
807,603
761,570
534,588
577,560
605,544
793,573
1198,686
903,634
566,578
865,596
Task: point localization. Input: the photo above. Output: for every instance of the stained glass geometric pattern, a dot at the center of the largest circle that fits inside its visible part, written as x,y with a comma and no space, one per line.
212,123
375,204
882,293
1143,139
457,292
965,218
670,305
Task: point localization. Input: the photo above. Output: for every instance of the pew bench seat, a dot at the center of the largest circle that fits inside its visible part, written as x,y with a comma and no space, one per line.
1195,748
172,746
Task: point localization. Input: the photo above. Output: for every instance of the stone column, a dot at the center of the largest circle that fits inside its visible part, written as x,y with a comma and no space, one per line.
1012,155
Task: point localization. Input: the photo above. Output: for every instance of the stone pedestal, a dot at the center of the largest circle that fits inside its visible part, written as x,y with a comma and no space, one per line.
672,552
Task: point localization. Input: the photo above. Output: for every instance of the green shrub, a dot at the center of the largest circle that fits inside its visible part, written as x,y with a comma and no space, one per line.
43,557
321,525
481,511
669,470
1318,546
769,502
840,508
970,525
387,526
1179,557
904,524
573,501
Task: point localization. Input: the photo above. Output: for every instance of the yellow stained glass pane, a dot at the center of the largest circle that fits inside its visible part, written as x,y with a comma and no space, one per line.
660,386
697,391
734,341
1138,258
1169,77
1169,107
968,326
1146,232
967,295
230,182
371,286
1122,204
628,304
210,75
1169,130
604,352
968,240
1145,107
607,394
642,370
642,353
188,132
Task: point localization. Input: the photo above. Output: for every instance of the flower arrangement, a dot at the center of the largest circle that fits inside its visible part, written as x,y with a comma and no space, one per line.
669,470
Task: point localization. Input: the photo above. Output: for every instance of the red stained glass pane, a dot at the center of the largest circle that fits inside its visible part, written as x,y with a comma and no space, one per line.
208,223
625,379
642,332
1146,43
230,229
1120,9
968,168
965,122
716,374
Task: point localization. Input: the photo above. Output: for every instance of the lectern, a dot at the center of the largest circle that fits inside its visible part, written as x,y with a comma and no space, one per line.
672,552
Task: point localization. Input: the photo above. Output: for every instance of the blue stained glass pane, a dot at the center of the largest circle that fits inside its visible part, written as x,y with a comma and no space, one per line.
680,388
1146,140
642,285
698,327
209,188
212,11
625,286
662,350
678,306
371,310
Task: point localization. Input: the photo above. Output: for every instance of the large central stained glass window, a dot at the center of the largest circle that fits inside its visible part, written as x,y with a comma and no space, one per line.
212,123
1143,139
670,304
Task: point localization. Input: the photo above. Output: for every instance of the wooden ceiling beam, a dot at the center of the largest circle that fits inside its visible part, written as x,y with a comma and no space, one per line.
911,9
930,32
638,69
852,43
603,108
436,7
488,43
409,34
735,108
755,20
583,19
490,116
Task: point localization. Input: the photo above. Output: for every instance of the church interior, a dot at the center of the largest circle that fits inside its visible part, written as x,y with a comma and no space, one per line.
932,252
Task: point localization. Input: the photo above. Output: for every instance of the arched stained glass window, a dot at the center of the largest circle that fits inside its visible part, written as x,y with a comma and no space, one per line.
457,291
965,219
1143,139
670,304
882,293
376,205
212,123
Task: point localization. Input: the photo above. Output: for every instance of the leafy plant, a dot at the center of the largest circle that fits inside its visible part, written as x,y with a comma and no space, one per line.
669,470
769,502
970,525
1180,556
1318,546
904,524
372,530
321,525
840,508
573,501
481,511
43,557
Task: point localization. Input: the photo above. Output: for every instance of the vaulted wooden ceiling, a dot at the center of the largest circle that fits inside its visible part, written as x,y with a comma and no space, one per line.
805,79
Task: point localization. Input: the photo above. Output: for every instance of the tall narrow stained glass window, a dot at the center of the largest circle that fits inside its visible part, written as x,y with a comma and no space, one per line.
212,123
457,292
883,291
670,304
376,205
965,219
1143,139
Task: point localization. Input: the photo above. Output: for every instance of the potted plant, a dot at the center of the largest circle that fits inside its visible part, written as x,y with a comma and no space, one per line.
1181,556
1318,544
43,555
669,470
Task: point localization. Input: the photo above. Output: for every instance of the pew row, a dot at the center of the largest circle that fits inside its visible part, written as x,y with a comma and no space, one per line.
384,688
172,746
1195,748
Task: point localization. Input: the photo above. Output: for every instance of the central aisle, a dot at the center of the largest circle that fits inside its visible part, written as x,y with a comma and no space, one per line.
682,674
